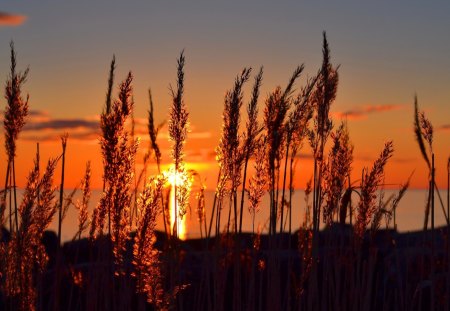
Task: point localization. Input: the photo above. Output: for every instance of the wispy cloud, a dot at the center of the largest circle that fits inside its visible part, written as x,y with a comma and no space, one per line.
8,19
62,124
444,128
362,113
52,137
41,126
38,113
396,159
201,155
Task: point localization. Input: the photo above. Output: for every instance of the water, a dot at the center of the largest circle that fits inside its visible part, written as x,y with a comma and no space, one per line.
410,213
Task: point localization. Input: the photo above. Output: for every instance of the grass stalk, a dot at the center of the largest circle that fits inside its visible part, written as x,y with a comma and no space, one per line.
56,298
433,251
61,188
252,131
213,211
5,193
16,217
348,270
284,185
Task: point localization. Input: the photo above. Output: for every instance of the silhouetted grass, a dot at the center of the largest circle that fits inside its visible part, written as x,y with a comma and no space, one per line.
125,264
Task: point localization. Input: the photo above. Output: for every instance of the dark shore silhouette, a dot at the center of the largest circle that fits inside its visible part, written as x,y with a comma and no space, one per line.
397,263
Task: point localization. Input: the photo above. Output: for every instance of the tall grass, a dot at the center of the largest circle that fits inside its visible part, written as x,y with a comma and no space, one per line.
250,138
126,264
14,120
323,97
178,129
25,252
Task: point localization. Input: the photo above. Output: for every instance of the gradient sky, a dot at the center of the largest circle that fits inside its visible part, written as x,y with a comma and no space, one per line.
387,52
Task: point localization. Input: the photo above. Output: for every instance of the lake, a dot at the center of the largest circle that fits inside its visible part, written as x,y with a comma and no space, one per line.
410,213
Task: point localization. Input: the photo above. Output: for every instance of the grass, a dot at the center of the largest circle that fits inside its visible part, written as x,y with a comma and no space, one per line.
126,264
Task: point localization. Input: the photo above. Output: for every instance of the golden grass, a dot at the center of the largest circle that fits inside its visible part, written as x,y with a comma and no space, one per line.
126,269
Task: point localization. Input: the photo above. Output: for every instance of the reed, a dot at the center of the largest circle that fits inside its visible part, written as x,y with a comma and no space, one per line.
323,97
145,256
25,252
229,151
258,182
296,130
178,129
13,122
337,169
370,182
118,154
61,188
126,264
82,207
60,220
250,136
276,108
153,132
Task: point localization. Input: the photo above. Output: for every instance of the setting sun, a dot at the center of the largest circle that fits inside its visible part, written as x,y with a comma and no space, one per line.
179,183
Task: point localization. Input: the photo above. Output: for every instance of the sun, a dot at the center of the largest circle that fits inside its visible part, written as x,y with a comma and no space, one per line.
179,182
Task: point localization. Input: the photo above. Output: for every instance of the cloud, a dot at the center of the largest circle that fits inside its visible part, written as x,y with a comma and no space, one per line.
444,128
41,126
400,160
38,114
41,120
61,124
201,155
364,112
84,136
304,156
33,116
7,19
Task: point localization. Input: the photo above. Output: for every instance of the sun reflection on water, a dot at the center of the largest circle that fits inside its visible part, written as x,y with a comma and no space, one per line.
178,179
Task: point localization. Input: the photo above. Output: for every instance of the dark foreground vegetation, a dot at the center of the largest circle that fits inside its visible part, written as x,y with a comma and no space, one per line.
125,264
388,272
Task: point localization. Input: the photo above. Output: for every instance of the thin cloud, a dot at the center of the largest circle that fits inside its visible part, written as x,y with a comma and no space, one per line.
444,128
364,112
367,158
200,155
61,124
304,156
38,113
41,126
7,19
33,116
54,137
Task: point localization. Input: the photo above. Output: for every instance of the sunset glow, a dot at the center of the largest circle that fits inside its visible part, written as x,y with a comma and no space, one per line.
224,155
375,92
178,182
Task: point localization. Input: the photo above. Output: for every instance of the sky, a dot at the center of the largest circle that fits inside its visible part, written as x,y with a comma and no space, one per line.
387,53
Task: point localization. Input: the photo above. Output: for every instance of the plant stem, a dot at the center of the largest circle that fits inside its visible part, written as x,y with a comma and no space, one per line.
61,190
15,194
432,232
5,194
284,185
243,192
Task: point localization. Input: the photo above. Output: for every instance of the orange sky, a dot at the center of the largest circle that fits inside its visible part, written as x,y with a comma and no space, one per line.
385,57
83,146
